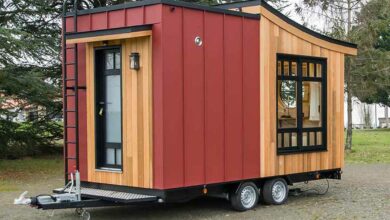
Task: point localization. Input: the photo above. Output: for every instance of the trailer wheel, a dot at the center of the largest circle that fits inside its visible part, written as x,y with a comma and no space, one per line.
275,191
245,197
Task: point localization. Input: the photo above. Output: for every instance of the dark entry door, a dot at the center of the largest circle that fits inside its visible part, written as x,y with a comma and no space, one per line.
108,107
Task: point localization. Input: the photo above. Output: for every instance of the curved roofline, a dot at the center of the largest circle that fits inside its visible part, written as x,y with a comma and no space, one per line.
274,11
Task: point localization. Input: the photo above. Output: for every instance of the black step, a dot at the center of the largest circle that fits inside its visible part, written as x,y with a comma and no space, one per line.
71,142
70,126
71,63
70,79
70,110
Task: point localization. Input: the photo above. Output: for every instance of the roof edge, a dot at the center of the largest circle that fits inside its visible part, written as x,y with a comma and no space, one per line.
277,13
165,2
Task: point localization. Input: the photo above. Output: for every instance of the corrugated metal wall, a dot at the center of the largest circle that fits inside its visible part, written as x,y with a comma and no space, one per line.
206,99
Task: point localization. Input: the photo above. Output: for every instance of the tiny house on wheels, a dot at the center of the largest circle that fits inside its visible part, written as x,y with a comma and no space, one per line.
165,101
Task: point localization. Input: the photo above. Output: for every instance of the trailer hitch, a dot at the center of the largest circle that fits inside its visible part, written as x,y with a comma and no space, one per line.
69,196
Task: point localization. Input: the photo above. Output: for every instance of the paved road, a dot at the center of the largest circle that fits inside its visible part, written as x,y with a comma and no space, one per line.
364,193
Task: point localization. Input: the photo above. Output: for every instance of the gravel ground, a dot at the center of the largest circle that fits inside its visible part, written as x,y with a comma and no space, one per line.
363,193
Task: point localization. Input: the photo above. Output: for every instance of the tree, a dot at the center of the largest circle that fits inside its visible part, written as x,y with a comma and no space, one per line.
372,84
338,16
30,73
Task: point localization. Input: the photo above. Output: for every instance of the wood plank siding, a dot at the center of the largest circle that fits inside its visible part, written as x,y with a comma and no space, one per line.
136,113
276,36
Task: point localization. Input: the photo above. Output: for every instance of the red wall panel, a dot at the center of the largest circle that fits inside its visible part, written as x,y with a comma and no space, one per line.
99,21
251,99
233,98
193,56
214,98
134,16
116,19
84,23
210,100
173,149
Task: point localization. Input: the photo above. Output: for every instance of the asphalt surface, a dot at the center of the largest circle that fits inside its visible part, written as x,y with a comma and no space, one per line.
363,193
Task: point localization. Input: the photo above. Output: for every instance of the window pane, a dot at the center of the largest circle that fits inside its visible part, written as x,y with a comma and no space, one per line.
110,156
319,138
312,139
304,69
117,61
312,106
319,70
279,68
113,108
286,68
287,140
109,61
294,68
311,70
287,112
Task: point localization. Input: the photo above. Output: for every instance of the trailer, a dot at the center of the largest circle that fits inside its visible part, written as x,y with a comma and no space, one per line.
166,101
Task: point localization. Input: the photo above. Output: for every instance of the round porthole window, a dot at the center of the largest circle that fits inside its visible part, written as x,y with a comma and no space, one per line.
198,41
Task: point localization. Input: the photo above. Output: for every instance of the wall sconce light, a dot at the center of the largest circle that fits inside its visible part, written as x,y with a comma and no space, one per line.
134,61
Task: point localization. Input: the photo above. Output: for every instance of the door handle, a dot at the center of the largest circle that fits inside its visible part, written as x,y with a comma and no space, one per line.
101,111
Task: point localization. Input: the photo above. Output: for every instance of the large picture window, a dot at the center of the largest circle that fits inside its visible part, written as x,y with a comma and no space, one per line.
301,104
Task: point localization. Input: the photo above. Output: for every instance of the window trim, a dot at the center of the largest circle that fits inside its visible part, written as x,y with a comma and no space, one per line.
299,82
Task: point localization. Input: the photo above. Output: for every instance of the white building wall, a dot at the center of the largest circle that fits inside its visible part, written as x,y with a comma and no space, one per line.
358,113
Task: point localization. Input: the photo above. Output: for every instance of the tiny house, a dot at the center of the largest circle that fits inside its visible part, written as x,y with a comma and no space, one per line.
165,101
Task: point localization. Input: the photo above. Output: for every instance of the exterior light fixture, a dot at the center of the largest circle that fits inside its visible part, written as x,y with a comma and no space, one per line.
134,61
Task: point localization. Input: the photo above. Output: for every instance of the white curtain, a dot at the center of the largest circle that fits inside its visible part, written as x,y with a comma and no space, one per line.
315,100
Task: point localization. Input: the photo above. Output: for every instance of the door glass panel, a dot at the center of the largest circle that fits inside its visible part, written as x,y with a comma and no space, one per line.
109,61
311,104
110,156
117,61
113,108
119,156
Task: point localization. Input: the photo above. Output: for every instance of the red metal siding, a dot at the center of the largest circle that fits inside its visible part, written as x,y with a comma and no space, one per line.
214,98
116,19
193,87
173,149
251,99
210,101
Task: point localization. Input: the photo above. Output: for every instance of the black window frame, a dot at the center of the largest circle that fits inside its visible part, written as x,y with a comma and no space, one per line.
300,130
100,153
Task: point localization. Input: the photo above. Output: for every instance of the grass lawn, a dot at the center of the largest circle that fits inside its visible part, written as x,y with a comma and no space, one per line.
370,146
14,173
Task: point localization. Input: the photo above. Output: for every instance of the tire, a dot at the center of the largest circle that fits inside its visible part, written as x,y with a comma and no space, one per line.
275,191
245,197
